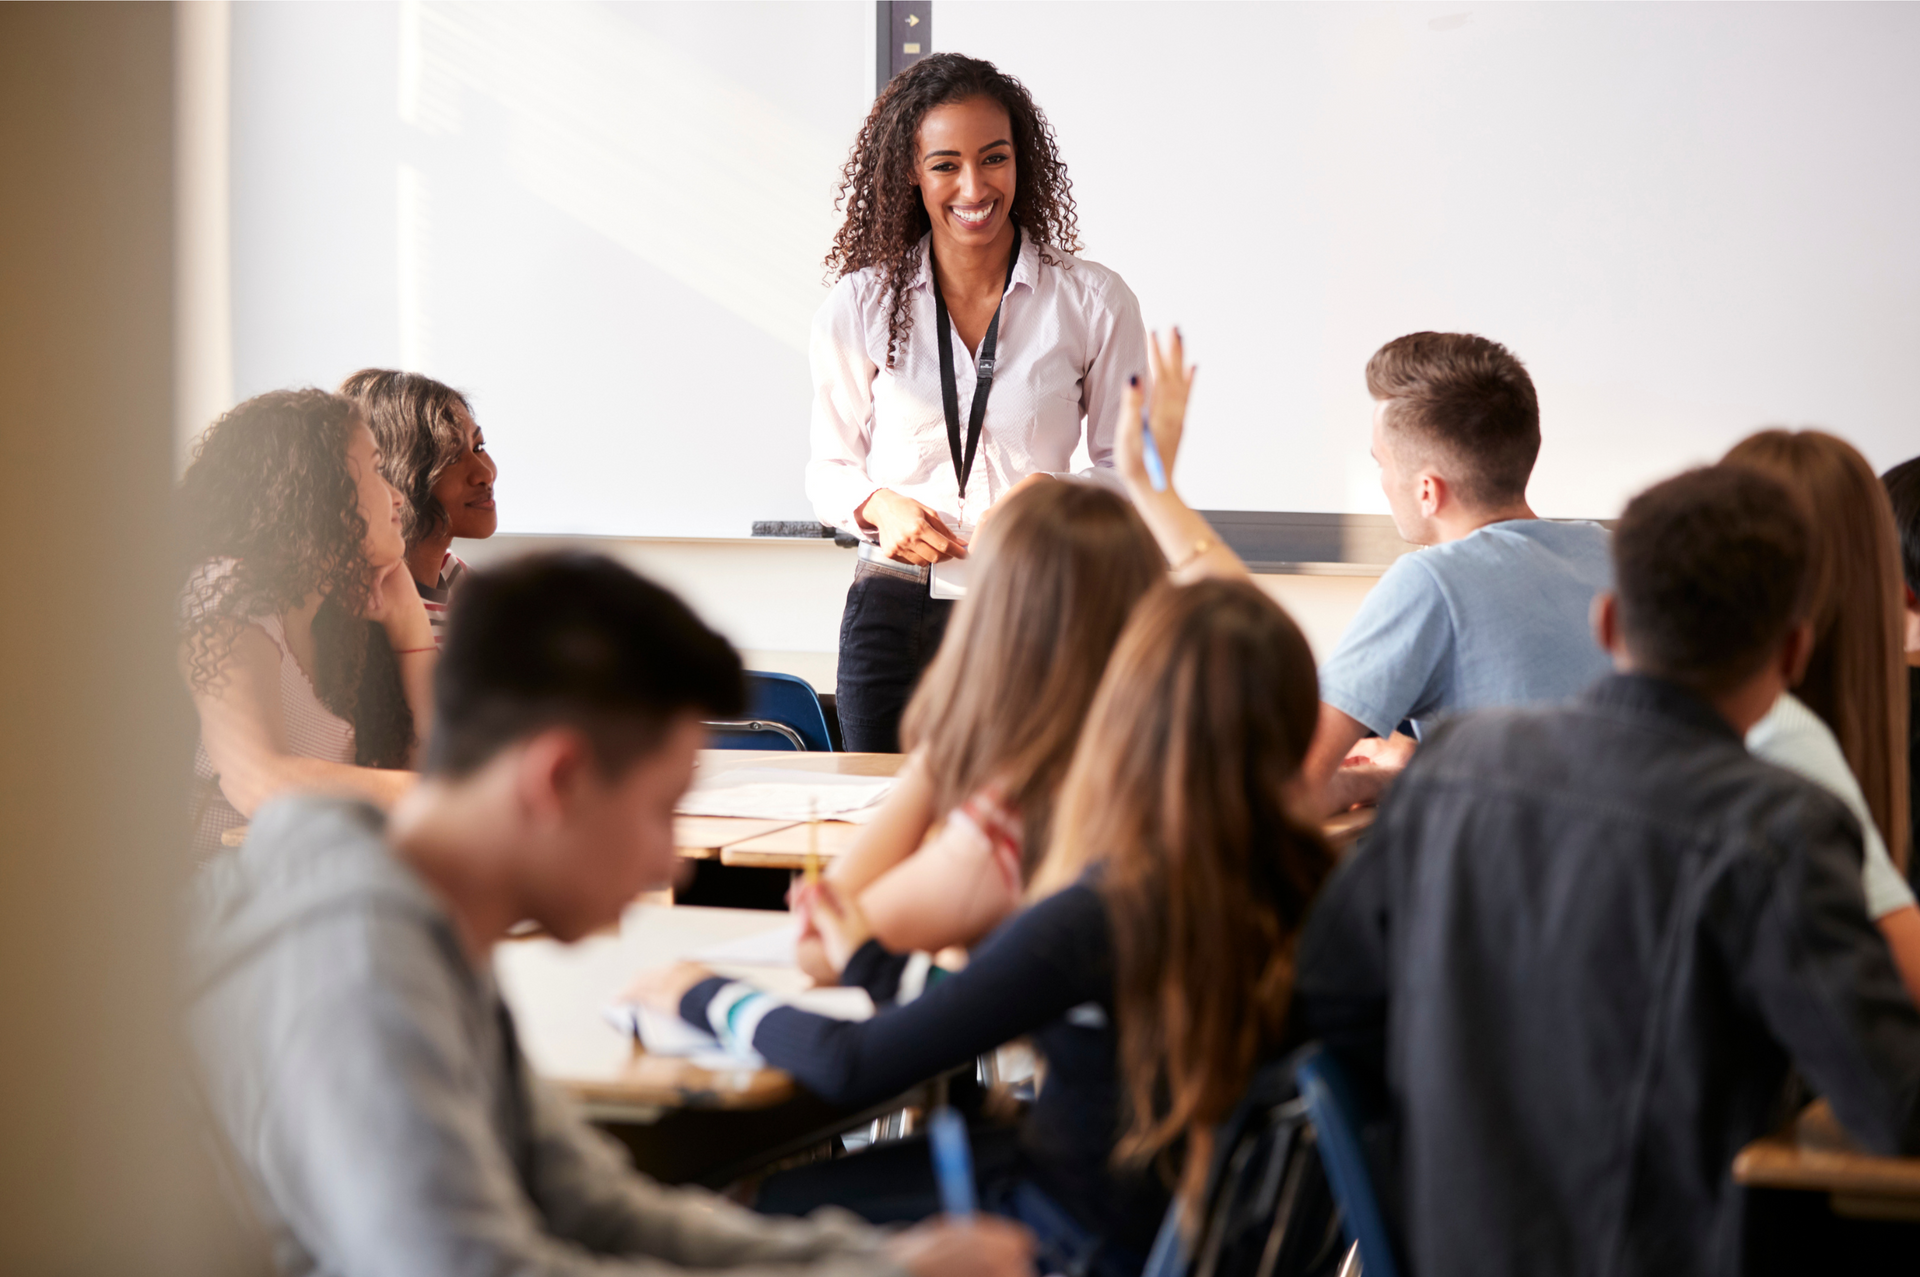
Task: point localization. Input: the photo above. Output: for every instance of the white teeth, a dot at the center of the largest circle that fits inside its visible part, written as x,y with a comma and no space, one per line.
974,218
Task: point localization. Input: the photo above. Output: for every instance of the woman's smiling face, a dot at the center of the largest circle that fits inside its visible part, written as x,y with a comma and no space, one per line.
465,490
966,170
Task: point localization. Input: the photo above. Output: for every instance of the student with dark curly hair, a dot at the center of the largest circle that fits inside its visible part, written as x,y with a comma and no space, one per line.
434,452
957,358
304,644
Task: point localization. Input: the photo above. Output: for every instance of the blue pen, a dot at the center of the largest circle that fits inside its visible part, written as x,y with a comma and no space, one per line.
952,1161
1150,454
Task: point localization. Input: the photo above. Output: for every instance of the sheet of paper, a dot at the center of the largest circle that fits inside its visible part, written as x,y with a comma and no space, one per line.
764,949
767,793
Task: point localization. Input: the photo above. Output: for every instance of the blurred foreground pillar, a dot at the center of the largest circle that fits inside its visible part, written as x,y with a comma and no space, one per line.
100,1170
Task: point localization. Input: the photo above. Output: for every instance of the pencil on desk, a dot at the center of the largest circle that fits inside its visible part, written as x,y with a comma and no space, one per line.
810,871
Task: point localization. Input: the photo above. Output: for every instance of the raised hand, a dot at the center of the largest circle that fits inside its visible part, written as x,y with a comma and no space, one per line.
1166,400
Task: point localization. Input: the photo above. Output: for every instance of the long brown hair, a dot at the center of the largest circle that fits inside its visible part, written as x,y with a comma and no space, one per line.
416,422
885,217
1058,569
1857,679
1180,791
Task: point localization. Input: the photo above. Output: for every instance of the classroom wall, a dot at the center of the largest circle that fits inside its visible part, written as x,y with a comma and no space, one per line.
100,1169
780,600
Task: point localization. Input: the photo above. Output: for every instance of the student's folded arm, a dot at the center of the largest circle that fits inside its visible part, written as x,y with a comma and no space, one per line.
1824,982
245,736
590,1195
893,834
1029,973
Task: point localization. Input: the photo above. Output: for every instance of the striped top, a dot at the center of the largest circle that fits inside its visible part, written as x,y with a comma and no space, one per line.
311,729
440,593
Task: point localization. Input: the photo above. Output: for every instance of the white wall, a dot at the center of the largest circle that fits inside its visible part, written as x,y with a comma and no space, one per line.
607,223
1690,220
780,601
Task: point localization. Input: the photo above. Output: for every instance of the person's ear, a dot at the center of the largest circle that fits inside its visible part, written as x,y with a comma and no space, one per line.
1431,491
1604,614
550,772
1795,653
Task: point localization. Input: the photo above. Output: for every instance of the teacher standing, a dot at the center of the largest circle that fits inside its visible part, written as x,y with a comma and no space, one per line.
961,355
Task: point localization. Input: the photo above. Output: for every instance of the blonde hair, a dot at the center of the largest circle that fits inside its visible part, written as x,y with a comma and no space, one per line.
1856,680
1058,569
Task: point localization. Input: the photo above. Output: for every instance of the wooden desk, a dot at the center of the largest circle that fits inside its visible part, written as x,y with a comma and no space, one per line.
786,847
557,993
711,837
681,1123
1812,1154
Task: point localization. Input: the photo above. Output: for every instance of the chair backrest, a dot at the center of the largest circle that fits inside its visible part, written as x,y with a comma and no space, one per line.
783,712
1338,1122
1266,1210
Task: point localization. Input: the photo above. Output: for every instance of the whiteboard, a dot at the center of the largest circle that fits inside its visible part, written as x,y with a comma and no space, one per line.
606,223
1689,220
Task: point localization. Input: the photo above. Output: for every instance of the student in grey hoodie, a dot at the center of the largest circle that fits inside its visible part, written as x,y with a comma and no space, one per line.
355,1050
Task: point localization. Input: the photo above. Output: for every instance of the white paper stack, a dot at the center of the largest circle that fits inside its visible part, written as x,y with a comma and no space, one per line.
767,793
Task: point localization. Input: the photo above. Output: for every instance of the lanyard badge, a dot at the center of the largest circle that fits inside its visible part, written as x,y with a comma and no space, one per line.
983,384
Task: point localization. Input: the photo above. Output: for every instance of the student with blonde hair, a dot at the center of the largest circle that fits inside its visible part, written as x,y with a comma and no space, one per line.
1153,972
1844,725
1059,567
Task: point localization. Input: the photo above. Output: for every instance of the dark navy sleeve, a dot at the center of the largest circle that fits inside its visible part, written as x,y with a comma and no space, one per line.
1027,974
1340,988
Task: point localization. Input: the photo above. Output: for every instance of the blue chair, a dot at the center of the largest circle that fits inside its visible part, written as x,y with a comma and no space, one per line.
1266,1210
1337,1122
783,712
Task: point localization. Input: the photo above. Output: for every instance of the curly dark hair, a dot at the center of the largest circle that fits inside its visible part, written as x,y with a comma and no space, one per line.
415,420
885,218
272,516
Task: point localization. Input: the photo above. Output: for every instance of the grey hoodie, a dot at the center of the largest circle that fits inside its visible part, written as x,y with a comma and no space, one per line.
367,1078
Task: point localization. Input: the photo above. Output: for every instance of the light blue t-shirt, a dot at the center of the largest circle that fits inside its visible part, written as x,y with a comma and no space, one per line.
1499,617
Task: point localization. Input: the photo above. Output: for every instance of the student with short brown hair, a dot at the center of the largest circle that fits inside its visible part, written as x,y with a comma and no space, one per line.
1492,612
1583,944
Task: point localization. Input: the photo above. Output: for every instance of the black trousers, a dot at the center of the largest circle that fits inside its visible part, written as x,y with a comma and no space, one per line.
888,635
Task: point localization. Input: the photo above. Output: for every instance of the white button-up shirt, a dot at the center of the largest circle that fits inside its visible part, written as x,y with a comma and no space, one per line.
1070,336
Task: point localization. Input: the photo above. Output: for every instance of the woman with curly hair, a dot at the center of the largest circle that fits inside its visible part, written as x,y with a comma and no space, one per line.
305,646
957,358
433,451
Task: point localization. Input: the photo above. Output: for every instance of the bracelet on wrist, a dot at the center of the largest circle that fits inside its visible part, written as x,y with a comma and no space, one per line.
1200,547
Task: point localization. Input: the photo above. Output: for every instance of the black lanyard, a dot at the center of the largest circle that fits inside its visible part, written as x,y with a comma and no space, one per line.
949,388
